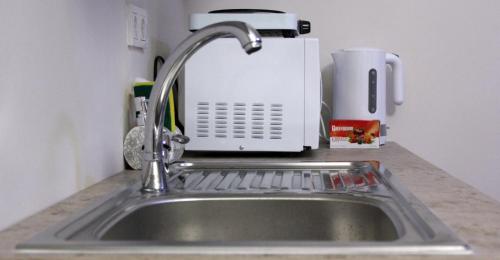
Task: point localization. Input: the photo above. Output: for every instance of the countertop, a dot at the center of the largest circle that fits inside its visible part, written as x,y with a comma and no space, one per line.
471,214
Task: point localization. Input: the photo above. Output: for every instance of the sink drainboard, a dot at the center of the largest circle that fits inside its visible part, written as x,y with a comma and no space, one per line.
293,180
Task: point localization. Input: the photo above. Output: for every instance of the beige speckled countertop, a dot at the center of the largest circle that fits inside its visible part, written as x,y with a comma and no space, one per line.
472,215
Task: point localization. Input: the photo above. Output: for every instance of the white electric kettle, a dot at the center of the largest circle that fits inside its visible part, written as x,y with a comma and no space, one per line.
359,85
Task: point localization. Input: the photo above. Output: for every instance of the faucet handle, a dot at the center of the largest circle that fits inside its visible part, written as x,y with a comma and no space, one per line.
173,145
178,138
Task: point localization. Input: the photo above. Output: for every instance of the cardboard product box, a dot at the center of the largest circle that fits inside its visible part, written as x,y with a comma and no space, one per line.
354,134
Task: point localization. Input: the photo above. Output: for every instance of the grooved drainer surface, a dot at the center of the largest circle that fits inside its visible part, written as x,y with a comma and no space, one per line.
213,180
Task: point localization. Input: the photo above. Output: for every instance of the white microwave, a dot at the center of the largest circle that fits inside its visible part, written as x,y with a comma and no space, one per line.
267,101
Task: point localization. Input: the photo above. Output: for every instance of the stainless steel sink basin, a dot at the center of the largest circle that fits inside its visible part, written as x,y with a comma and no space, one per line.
265,208
268,218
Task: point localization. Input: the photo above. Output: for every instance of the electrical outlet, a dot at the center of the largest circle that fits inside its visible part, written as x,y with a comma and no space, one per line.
137,27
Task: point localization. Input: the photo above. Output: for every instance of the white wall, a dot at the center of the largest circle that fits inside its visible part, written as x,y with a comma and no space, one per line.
451,53
173,22
65,76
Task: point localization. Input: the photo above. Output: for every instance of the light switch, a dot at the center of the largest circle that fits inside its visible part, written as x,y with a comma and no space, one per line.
137,27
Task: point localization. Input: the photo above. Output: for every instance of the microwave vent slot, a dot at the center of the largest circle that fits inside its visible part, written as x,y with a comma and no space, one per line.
202,119
275,128
258,119
239,120
221,119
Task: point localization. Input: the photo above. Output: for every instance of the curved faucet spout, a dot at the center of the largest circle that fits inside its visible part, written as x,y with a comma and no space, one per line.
155,171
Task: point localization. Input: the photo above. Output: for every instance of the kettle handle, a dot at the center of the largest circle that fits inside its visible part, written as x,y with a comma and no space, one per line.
397,76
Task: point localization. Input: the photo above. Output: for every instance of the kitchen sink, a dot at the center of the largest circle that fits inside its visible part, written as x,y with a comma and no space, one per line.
261,208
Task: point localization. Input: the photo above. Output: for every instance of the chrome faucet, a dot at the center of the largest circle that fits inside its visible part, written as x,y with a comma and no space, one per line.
155,169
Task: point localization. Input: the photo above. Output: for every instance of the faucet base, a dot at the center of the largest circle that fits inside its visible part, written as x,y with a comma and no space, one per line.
155,177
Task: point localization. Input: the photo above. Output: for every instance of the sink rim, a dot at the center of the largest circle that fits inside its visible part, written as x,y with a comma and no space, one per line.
445,240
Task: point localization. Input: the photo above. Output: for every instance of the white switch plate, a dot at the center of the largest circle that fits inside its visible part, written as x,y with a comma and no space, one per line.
137,27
